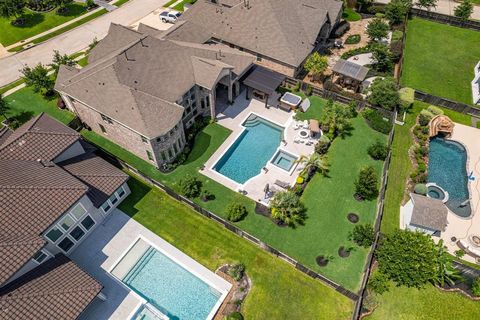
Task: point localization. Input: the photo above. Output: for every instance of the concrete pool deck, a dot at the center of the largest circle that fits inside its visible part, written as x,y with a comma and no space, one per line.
105,247
232,118
462,228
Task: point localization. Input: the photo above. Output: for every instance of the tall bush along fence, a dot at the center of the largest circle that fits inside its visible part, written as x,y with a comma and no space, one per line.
378,222
449,104
445,19
208,214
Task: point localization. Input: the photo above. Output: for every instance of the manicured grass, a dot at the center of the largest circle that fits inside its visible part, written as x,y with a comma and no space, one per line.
401,165
351,15
179,7
83,62
37,23
428,303
25,104
120,3
439,59
11,85
326,228
169,3
278,292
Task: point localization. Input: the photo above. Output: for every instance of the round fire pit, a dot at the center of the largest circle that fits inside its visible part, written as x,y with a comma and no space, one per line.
303,133
353,217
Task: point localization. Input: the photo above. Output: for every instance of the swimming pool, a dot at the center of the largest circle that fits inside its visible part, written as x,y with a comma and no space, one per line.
170,288
447,168
284,160
251,151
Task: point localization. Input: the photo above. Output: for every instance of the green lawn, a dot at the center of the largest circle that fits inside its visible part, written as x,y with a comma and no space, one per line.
326,227
36,23
351,15
25,104
401,165
179,7
278,292
429,303
439,59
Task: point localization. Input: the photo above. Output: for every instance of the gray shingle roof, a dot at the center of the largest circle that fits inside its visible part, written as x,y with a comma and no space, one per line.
138,85
429,213
350,69
285,30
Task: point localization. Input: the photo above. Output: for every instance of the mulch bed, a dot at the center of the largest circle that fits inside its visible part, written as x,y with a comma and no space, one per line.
321,261
353,217
343,252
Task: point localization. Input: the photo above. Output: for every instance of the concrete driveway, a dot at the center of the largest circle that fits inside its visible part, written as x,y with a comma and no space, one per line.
76,39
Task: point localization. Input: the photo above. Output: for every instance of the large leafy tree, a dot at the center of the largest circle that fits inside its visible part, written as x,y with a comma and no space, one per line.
464,10
427,4
4,107
396,11
38,78
377,29
384,93
11,8
408,258
316,65
59,59
335,119
286,207
382,56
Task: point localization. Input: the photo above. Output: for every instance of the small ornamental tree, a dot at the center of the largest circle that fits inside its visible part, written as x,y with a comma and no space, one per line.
190,187
12,8
384,93
366,186
464,10
236,211
316,65
382,56
362,235
286,207
377,29
396,11
38,78
427,4
408,258
378,150
59,60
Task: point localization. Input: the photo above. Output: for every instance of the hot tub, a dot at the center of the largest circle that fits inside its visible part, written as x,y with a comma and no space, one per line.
434,191
284,160
290,100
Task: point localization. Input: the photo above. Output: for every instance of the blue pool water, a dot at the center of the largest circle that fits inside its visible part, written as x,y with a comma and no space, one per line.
447,168
251,151
284,160
170,288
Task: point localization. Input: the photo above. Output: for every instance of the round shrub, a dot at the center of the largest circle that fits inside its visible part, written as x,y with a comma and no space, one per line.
234,316
378,150
353,39
190,186
299,180
366,185
435,110
421,188
322,145
236,211
362,235
397,35
424,117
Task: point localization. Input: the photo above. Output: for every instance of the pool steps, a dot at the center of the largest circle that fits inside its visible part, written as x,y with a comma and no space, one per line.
137,268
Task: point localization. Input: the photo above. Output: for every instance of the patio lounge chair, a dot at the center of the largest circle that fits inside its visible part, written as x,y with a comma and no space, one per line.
282,184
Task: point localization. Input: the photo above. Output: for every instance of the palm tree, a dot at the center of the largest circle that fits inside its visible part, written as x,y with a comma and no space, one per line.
286,207
446,272
314,163
4,108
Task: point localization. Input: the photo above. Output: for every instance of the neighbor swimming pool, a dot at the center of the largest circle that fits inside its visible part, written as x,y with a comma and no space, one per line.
447,168
170,288
251,151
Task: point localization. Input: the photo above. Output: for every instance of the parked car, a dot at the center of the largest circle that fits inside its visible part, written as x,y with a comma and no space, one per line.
170,16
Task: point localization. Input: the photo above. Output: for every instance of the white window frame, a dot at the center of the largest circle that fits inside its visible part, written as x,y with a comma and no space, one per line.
81,217
118,195
45,252
109,204
69,238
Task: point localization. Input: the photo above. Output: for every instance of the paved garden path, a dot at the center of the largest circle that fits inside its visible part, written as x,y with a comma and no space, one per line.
447,7
76,39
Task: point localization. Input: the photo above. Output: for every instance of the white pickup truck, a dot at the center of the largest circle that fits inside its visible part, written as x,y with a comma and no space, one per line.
170,16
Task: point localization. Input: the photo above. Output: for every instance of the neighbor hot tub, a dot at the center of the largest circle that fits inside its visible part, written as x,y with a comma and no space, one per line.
290,101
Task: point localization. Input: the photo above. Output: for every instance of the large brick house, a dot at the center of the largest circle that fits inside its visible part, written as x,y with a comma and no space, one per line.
281,34
53,192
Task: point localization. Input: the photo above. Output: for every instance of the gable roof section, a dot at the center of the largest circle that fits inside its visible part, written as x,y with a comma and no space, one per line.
429,213
32,196
350,69
285,30
40,138
57,289
102,178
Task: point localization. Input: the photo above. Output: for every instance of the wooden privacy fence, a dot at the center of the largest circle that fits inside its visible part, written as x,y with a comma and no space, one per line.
449,104
197,208
446,19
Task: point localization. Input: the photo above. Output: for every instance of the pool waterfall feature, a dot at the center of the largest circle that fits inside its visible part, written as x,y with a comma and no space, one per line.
447,168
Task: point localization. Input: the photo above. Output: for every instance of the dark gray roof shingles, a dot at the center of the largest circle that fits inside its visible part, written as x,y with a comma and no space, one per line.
429,213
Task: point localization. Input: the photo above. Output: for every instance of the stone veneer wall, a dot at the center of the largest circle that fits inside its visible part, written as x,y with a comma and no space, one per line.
162,145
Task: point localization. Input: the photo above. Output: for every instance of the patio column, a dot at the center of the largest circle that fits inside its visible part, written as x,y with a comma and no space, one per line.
237,88
211,98
230,93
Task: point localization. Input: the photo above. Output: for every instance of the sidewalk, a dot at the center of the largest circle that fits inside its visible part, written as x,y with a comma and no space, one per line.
76,39
447,7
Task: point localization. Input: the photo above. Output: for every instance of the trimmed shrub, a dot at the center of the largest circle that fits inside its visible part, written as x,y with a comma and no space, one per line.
435,110
376,122
424,117
362,235
300,180
353,39
407,97
420,188
378,150
476,287
237,271
459,253
397,35
236,212
322,145
366,185
190,187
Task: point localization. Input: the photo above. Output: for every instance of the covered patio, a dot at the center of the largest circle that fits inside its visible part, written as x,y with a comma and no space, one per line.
262,84
349,74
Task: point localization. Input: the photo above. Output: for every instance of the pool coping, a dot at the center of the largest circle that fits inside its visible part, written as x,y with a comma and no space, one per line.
295,162
187,266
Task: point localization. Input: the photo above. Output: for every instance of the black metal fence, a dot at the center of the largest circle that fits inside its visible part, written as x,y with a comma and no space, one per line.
449,104
197,208
446,19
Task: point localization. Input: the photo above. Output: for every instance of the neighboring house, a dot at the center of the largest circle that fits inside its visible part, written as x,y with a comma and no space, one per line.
476,84
142,91
281,34
425,214
53,192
